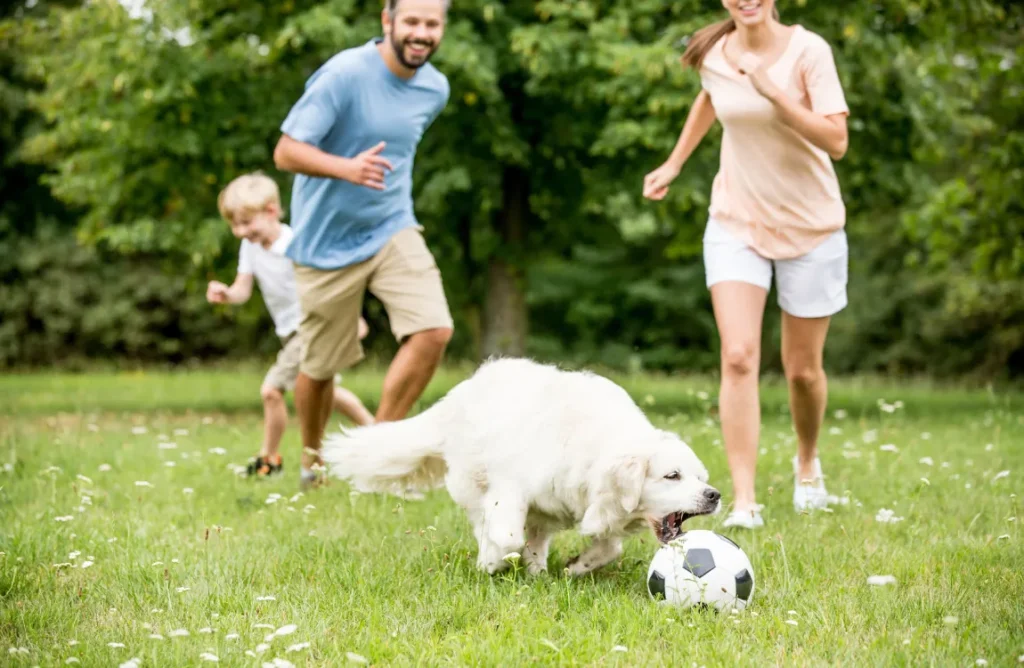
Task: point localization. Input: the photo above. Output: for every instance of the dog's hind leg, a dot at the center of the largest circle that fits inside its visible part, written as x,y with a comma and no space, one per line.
601,552
502,531
538,539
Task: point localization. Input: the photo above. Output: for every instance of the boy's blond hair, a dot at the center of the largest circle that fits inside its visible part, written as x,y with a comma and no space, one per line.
248,193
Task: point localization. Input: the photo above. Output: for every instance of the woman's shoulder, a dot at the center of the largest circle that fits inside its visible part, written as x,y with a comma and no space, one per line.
811,43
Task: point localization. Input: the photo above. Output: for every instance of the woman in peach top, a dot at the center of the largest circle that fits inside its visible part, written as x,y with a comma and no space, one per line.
776,206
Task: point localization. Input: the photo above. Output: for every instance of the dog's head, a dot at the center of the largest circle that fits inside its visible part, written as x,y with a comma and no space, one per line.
665,482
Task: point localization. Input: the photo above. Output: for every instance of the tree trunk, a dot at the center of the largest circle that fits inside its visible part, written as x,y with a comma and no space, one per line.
505,318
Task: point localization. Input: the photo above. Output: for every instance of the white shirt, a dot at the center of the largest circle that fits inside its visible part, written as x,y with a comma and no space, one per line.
276,277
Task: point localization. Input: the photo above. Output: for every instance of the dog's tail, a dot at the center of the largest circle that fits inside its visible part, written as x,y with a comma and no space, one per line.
394,457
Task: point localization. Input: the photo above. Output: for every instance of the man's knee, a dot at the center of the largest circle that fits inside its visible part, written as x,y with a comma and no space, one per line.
433,339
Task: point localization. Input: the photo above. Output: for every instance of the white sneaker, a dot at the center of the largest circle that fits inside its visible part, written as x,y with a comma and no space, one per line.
744,519
810,494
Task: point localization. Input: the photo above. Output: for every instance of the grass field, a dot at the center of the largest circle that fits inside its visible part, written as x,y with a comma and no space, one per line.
124,533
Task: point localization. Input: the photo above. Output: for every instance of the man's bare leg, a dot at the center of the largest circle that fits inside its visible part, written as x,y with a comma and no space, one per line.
313,405
413,367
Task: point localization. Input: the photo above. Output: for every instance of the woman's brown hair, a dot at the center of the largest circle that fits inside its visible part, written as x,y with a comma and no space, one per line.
706,37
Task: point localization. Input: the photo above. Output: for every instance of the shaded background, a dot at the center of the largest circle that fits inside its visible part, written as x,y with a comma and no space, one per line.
121,121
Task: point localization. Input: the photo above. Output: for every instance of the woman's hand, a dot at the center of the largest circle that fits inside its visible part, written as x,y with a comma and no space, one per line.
657,182
751,66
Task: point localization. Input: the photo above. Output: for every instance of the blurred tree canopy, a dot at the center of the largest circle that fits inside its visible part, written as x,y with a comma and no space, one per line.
124,119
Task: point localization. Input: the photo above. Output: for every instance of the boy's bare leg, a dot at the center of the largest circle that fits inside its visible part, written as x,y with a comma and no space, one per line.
275,419
349,405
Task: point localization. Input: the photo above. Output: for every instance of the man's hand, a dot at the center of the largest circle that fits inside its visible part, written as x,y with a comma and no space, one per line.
367,168
217,293
751,65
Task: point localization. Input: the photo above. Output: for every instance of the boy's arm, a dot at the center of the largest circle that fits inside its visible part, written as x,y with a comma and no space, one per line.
241,289
237,293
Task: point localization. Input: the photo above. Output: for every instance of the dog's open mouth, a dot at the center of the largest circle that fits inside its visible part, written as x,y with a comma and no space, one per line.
670,527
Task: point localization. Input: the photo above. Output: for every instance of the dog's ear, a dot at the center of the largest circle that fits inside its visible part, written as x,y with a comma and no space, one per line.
618,492
628,478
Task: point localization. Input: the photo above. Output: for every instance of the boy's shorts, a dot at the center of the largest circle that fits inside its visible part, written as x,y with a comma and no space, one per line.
808,286
286,368
403,275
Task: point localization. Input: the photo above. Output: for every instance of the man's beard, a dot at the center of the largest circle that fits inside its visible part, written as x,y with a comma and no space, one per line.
400,47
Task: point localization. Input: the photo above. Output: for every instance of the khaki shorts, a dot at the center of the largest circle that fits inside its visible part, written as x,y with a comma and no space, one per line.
403,275
286,368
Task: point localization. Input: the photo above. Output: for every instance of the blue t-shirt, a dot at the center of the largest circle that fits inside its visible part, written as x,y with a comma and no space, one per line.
351,104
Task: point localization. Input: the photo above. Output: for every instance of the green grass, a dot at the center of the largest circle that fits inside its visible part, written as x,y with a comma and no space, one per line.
394,581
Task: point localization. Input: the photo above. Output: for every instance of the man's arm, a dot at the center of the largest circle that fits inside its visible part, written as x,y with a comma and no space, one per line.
366,169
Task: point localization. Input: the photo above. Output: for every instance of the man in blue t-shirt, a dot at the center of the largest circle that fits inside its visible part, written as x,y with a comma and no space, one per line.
351,140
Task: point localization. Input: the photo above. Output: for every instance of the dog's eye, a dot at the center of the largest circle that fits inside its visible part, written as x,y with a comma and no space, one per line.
672,476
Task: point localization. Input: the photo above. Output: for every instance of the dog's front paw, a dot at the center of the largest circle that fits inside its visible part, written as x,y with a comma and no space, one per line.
577,567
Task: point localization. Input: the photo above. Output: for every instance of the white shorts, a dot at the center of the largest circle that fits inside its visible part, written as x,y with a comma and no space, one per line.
809,286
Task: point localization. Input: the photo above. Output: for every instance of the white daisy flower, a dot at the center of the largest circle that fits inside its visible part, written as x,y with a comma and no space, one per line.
115,645
138,431
298,647
143,483
881,580
217,451
188,491
206,629
179,633
232,636
886,516
155,636
888,447
620,648
206,656
86,564
792,622
266,598
356,658
70,660
927,461
105,467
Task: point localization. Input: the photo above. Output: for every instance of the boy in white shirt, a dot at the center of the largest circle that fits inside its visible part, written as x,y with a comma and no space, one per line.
252,206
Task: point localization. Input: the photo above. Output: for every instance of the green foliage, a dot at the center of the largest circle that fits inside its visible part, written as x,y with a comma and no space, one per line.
62,303
564,106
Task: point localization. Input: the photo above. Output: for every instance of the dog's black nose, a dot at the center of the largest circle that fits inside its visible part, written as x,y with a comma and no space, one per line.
712,495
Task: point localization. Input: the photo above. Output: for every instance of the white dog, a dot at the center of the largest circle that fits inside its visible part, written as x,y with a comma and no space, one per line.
529,450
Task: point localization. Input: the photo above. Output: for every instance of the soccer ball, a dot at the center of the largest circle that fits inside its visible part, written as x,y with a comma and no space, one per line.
701,569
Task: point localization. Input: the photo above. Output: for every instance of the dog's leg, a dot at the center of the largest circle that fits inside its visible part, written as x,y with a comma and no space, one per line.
601,552
504,520
538,539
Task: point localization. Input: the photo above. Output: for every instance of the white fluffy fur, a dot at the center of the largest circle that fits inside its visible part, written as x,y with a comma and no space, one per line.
528,450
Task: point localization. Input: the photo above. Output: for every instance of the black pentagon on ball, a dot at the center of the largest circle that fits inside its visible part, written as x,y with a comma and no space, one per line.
699,561
744,585
728,540
656,584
